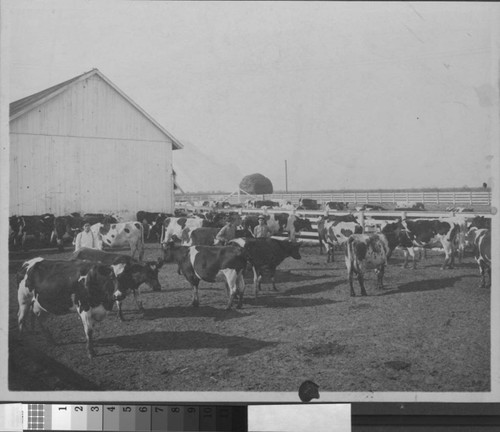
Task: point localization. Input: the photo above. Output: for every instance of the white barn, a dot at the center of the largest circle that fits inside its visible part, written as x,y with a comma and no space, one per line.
85,146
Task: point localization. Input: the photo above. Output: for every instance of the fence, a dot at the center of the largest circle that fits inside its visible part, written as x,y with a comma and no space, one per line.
467,198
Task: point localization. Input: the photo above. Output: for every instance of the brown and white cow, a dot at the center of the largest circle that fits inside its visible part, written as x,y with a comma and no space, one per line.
199,263
58,286
362,251
121,234
334,230
481,241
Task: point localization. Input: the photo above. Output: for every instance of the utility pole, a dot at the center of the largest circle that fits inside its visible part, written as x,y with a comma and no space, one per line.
286,177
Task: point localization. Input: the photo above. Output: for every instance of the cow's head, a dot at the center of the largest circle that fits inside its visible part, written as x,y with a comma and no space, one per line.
292,248
146,273
169,249
101,286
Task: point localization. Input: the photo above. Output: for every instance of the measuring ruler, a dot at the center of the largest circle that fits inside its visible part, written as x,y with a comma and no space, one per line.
85,417
135,418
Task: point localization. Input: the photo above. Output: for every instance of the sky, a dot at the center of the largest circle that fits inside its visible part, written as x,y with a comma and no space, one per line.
368,95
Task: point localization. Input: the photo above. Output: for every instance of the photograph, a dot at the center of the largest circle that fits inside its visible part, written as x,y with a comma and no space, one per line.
250,201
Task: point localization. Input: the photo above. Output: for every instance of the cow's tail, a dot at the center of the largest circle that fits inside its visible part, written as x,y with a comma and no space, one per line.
349,255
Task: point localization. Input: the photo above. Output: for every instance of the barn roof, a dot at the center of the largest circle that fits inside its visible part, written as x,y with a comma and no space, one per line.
22,106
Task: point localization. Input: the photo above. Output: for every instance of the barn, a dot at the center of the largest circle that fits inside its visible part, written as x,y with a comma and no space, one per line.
84,146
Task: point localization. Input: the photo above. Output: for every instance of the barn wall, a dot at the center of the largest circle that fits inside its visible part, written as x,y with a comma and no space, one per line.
89,150
62,175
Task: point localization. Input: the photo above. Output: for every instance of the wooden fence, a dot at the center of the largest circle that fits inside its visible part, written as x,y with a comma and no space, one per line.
455,198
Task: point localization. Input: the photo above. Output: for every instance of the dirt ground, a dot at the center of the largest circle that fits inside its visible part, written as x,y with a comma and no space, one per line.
427,331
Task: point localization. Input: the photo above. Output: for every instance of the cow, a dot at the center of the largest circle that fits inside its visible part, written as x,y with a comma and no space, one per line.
364,250
173,226
480,222
199,263
15,232
335,230
397,236
58,286
481,241
265,255
40,227
69,225
137,273
336,205
121,234
279,223
152,222
265,203
427,233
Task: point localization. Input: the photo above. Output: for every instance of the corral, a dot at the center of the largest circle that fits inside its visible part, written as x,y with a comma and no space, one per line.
427,331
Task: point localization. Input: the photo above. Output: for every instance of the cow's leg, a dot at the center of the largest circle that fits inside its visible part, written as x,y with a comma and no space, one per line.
25,301
86,317
257,278
380,276
196,300
119,309
138,298
449,257
272,272
361,281
482,272
231,281
240,288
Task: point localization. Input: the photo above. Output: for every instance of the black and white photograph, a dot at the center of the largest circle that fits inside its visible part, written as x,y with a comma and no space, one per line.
250,201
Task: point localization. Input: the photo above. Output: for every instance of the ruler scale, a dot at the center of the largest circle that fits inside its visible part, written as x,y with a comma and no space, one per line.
175,417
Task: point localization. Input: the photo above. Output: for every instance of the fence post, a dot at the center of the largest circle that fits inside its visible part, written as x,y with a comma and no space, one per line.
362,219
470,194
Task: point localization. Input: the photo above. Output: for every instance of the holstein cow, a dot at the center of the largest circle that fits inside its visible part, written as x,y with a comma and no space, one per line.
173,226
481,241
280,222
199,263
69,226
40,227
428,233
119,235
133,273
397,236
265,254
94,218
335,230
364,250
480,222
57,286
153,222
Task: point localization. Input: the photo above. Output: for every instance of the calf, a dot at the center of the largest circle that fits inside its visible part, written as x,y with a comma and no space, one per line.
121,234
364,250
133,273
58,286
265,254
481,241
335,230
205,262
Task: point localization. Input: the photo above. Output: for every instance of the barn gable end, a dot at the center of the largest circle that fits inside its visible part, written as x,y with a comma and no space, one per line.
84,145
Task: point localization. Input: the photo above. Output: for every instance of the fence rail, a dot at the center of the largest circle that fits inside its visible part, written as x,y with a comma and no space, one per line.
451,197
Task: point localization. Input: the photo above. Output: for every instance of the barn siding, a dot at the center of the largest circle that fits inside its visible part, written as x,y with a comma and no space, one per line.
89,150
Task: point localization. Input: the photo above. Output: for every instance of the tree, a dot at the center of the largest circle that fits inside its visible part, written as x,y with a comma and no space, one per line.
256,184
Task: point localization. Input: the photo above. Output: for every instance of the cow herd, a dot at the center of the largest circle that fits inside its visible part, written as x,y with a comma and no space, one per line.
93,281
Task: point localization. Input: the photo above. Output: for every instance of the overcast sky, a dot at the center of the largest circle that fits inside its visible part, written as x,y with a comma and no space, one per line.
363,95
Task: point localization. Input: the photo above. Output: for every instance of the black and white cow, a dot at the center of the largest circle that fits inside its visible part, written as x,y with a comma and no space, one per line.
58,286
364,250
481,241
428,233
121,234
133,273
279,223
173,226
334,230
199,263
265,255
